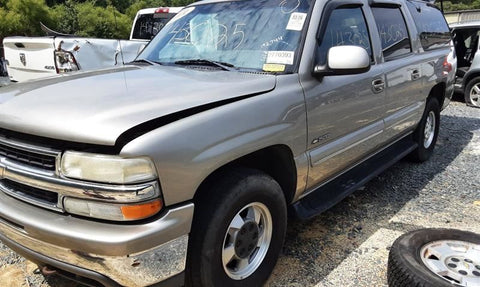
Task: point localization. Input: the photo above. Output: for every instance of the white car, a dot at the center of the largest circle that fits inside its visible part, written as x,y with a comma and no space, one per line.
466,38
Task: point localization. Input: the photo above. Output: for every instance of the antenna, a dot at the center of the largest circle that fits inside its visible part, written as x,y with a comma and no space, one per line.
119,40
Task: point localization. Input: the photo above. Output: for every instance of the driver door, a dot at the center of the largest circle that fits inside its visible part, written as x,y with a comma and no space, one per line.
344,112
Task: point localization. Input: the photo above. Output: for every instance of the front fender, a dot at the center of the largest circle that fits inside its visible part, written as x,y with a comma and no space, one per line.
187,151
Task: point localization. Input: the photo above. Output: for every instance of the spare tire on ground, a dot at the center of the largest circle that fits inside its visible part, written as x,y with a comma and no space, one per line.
435,258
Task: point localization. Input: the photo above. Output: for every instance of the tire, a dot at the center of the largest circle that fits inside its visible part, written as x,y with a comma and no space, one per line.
219,248
425,135
413,256
472,92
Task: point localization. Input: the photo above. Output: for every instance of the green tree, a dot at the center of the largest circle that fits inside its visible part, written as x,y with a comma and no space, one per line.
95,21
23,17
66,17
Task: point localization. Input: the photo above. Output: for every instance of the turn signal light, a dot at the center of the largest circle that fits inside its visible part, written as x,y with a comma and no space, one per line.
140,211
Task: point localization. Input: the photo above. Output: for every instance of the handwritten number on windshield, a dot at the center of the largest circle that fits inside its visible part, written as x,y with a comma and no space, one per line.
238,31
288,6
223,35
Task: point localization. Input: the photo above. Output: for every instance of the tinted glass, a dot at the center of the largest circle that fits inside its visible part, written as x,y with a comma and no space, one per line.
393,32
431,25
346,26
148,25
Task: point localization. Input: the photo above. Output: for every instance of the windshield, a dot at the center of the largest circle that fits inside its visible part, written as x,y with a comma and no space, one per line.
260,35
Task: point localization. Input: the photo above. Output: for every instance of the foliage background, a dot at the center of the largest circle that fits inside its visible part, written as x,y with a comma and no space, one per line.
100,18
88,18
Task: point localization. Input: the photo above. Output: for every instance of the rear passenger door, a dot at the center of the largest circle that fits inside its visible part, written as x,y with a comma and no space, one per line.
402,68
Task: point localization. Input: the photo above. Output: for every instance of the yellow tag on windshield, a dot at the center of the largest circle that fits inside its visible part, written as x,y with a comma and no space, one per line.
273,68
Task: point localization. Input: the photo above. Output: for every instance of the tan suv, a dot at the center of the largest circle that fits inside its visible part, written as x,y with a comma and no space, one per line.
180,167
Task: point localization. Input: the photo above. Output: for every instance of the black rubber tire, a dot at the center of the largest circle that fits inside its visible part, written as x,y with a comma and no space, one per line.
225,197
466,93
421,154
405,266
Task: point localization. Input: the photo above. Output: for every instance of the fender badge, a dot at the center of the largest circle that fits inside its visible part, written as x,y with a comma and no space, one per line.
321,138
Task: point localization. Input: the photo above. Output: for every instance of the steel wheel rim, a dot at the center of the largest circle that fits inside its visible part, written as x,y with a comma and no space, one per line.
455,261
235,264
429,131
475,95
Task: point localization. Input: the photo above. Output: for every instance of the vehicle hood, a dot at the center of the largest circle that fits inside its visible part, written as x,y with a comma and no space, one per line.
97,107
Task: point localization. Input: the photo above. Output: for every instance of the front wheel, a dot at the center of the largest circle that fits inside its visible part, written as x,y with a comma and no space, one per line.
427,132
472,92
238,231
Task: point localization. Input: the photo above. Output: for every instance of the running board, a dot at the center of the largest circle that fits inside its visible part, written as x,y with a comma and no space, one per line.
329,194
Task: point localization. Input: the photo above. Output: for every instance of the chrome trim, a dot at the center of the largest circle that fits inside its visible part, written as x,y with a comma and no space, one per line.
327,151
29,199
29,148
96,237
49,181
52,181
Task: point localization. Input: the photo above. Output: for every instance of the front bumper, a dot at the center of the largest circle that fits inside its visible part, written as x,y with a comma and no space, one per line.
129,254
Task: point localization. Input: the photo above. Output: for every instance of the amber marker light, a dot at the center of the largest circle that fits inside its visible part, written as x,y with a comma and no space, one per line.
141,211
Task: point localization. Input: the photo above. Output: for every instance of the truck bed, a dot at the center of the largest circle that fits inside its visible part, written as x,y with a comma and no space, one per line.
31,58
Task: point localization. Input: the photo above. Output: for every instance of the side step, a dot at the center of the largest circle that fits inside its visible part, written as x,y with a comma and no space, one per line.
334,191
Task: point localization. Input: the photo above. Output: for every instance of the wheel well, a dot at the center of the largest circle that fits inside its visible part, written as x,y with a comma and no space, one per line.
438,92
276,161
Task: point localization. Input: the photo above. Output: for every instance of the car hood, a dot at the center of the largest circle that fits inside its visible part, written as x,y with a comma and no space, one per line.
97,107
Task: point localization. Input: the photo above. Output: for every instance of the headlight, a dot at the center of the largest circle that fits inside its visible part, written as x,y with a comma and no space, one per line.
109,211
107,168
65,62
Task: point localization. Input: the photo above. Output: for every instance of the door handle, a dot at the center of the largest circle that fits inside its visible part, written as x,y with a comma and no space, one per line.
378,86
415,75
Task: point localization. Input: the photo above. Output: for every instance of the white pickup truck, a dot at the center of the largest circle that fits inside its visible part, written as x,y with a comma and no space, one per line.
29,58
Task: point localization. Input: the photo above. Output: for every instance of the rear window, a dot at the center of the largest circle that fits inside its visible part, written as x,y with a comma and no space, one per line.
431,25
148,25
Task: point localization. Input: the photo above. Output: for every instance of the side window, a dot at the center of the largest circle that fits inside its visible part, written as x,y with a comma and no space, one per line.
393,32
346,26
431,25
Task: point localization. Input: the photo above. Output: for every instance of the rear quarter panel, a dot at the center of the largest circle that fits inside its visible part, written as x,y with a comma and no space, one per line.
93,54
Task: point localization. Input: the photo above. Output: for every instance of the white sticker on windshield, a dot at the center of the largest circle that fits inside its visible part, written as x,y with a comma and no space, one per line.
280,57
296,21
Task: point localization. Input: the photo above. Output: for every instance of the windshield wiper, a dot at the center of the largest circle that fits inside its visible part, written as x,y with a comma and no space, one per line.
205,62
152,63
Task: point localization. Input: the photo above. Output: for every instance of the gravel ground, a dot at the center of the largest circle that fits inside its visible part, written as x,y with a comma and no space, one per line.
348,245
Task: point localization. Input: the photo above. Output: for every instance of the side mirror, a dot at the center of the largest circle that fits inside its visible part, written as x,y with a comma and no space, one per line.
345,60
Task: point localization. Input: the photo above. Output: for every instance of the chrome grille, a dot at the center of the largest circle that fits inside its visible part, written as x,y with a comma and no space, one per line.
28,155
25,191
